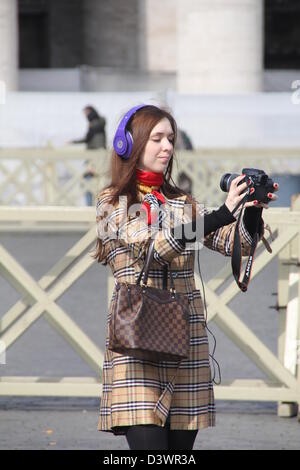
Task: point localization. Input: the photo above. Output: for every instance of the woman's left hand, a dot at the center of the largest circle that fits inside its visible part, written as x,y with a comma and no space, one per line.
237,192
258,204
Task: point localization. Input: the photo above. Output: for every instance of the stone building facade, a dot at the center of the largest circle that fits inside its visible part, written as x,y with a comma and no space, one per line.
210,46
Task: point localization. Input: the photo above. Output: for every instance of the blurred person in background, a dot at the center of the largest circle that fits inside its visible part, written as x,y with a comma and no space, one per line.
183,142
95,138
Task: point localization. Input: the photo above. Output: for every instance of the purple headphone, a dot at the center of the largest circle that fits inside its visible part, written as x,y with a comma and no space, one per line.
123,140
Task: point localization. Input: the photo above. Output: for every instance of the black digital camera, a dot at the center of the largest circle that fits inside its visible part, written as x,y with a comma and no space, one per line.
254,178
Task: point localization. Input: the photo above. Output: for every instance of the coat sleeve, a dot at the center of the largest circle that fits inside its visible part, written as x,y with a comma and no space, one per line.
132,231
221,240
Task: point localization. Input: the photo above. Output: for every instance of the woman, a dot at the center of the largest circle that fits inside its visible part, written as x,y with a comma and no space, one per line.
158,405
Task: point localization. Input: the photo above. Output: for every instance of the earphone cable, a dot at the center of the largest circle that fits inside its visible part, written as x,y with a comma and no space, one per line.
214,361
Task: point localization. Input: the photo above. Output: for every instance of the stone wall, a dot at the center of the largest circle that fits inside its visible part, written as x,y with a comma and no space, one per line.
59,39
65,33
91,32
110,33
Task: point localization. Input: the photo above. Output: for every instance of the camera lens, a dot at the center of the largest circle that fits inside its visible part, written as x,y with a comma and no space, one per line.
226,181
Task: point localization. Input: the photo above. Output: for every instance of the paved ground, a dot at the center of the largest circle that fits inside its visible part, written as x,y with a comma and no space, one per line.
72,426
44,423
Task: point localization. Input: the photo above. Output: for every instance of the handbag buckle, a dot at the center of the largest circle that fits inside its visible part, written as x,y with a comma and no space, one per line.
143,280
144,286
173,292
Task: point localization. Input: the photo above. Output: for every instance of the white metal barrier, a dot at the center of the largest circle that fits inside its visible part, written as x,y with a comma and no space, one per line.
47,176
39,298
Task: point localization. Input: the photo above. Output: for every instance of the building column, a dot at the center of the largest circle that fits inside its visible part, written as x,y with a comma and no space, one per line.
219,46
157,35
9,44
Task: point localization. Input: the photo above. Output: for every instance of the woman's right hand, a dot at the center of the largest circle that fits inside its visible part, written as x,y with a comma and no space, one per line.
236,193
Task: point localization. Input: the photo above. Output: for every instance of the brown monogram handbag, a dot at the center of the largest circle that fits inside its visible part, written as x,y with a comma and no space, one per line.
147,322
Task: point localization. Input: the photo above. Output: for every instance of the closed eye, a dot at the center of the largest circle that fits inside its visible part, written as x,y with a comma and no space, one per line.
158,136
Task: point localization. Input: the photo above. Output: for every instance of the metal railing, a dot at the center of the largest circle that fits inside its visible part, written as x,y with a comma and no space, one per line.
40,298
48,176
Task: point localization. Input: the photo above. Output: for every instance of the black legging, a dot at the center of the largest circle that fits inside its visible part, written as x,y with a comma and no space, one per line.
152,437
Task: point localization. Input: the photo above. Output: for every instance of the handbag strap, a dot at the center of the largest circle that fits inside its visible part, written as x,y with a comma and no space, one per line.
143,276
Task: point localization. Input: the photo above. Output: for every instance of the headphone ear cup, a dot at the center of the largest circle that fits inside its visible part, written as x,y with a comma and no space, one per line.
129,141
120,144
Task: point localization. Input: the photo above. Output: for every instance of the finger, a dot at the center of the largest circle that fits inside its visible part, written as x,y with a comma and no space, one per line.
260,205
272,196
250,204
256,204
236,180
239,197
241,187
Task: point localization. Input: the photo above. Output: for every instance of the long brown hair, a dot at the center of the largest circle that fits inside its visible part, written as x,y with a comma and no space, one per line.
123,172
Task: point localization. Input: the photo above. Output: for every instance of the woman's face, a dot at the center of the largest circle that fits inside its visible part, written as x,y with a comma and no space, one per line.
159,148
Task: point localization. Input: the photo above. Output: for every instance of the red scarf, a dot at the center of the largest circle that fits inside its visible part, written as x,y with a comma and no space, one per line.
147,180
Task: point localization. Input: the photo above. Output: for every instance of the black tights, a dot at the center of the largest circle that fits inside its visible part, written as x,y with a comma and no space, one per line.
152,437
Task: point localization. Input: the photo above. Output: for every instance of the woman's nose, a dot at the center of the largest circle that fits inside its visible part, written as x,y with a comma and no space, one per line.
167,145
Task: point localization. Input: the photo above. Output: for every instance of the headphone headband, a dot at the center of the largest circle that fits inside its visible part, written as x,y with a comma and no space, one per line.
123,141
129,115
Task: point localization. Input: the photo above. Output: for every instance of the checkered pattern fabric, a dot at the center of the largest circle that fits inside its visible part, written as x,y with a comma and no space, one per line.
149,323
156,208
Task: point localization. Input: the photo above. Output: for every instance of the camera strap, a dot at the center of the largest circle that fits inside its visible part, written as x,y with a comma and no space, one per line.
236,258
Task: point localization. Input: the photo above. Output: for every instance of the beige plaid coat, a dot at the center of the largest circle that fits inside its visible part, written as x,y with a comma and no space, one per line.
144,392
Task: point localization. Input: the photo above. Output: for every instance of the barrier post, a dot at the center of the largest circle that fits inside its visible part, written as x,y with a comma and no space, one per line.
288,308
